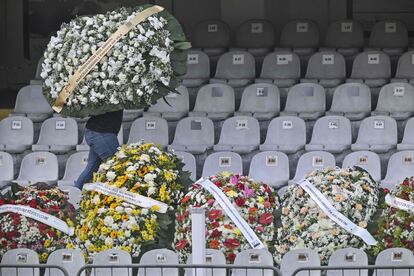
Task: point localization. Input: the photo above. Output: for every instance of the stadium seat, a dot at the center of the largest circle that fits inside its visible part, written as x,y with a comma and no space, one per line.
16,134
213,257
366,160
260,100
240,134
286,134
222,162
75,165
407,142
20,256
256,36
405,68
300,36
396,100
85,147
212,37
112,257
332,134
390,36
6,169
216,101
31,103
394,257
190,164
150,129
313,160
198,69
58,135
74,195
172,107
158,257
348,257
299,258
305,100
377,134
194,135
38,167
270,167
252,258
71,260
131,114
37,78
400,166
344,36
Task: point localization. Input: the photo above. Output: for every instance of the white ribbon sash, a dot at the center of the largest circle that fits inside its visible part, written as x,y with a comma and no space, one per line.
132,198
334,215
39,216
231,211
399,203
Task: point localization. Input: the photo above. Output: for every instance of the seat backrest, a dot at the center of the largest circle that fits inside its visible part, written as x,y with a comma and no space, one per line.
16,131
396,97
211,34
345,34
378,130
194,131
149,129
39,69
281,65
31,100
252,258
215,98
348,257
159,257
371,65
389,34
74,195
260,97
75,165
314,160
270,167
298,258
286,130
20,256
255,33
112,257
240,130
306,97
6,167
332,130
71,260
394,257
351,98
213,257
367,160
405,67
39,166
59,131
236,65
409,132
300,34
400,166
224,161
326,65
198,65
173,102
189,163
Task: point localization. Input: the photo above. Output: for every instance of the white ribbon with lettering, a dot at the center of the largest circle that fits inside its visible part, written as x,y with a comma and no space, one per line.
334,215
231,211
39,216
399,203
133,198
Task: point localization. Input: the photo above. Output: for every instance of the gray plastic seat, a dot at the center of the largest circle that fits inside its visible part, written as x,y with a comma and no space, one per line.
75,165
58,135
377,134
20,256
71,260
260,100
305,100
16,134
239,134
396,100
37,78
150,129
31,103
257,36
198,69
211,36
301,36
73,193
348,257
351,100
405,68
222,162
194,135
130,115
332,134
390,36
190,164
213,257
400,166
298,258
38,167
159,257
216,101
344,36
394,257
270,167
313,160
367,160
85,147
252,258
286,134
6,169
407,142
174,107
112,257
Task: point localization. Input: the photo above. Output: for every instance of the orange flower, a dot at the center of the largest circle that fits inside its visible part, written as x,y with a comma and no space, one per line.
214,244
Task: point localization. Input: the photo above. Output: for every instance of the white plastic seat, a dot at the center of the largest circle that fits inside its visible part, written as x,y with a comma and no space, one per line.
198,69
298,258
390,36
38,167
405,68
367,160
159,257
112,257
73,193
75,165
270,167
394,257
344,36
6,169
257,36
149,129
407,142
222,162
348,257
213,257
20,256
16,134
189,163
172,107
252,258
400,166
313,160
212,37
71,260
300,36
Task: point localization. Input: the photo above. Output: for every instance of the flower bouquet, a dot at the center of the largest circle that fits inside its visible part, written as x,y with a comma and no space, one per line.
142,66
108,220
351,192
256,202
22,230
